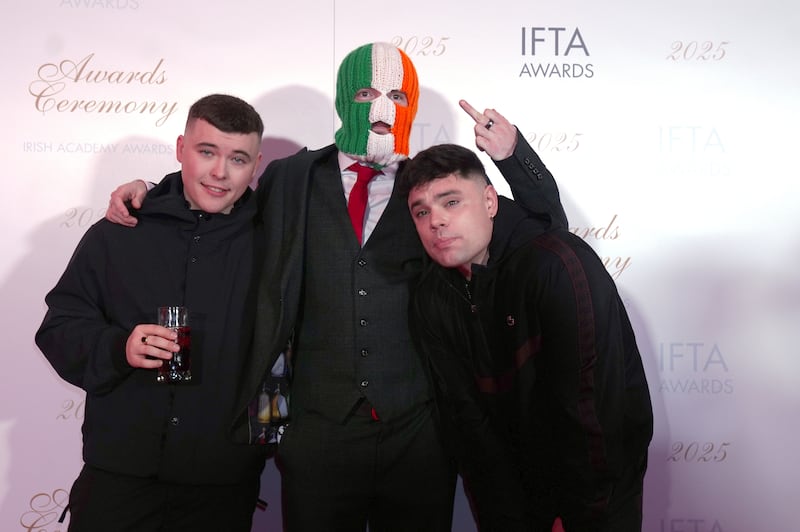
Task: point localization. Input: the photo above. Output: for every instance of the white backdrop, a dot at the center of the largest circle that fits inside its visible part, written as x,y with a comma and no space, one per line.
670,127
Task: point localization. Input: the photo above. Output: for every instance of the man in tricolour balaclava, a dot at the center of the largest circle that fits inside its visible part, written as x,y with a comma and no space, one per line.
361,446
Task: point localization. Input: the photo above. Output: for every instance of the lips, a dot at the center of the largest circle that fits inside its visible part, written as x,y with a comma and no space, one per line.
381,128
215,191
443,242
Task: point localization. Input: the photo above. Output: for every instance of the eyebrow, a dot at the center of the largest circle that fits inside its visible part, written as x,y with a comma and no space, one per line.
212,145
438,196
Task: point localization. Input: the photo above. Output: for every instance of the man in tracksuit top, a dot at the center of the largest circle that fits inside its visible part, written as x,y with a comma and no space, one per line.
540,381
158,456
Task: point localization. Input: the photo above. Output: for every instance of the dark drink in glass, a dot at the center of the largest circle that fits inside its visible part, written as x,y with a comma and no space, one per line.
179,368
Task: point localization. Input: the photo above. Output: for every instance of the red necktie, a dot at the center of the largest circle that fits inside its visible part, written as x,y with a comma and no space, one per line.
357,204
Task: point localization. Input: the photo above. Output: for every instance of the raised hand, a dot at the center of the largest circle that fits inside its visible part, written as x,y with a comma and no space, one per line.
493,133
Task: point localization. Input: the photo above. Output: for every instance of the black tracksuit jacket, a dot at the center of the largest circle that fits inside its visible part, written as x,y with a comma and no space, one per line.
540,383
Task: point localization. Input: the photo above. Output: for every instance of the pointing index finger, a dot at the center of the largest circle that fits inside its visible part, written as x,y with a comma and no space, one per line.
471,111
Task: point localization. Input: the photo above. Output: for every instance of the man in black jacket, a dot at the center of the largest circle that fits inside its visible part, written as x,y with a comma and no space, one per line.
540,381
157,456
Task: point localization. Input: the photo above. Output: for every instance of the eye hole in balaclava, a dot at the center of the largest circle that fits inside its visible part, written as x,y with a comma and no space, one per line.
384,68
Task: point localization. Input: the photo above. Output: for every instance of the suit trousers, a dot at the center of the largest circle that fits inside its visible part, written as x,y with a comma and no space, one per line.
341,476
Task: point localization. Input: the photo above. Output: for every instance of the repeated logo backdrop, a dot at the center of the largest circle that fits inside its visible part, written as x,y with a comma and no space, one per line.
670,127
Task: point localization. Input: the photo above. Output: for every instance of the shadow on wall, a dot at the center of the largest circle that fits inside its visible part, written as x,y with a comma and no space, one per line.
656,499
725,364
294,117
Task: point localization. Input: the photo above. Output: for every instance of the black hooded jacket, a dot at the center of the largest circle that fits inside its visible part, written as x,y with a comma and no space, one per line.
116,279
540,383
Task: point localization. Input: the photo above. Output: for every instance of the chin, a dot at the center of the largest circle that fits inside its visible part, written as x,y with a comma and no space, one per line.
446,263
213,208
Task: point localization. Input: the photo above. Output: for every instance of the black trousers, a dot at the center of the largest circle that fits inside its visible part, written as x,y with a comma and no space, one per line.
624,512
101,501
339,477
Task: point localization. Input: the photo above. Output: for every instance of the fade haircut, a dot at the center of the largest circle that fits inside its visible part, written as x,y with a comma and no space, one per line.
437,162
227,113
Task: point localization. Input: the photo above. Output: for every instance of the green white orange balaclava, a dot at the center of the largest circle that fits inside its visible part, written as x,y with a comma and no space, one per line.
385,68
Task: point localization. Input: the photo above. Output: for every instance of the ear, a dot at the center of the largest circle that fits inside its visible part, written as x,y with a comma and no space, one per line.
490,198
179,149
255,166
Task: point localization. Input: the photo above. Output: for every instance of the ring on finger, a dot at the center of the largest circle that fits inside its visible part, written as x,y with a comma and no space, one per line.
489,124
144,340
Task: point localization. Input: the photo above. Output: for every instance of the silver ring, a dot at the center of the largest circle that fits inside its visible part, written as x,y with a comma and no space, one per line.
489,124
144,340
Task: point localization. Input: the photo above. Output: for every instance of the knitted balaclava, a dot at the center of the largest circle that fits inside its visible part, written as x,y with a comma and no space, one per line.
385,68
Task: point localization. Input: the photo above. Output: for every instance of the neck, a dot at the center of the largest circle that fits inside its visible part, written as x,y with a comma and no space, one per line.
466,269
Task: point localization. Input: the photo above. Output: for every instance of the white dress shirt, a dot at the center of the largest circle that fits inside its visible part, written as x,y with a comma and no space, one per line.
379,190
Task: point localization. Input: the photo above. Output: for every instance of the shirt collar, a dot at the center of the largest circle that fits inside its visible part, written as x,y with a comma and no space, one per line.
388,172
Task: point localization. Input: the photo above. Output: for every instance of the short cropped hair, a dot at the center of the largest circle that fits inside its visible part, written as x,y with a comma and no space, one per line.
227,113
437,162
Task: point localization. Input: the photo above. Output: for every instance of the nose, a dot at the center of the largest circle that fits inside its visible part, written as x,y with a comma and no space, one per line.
382,110
220,168
438,219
